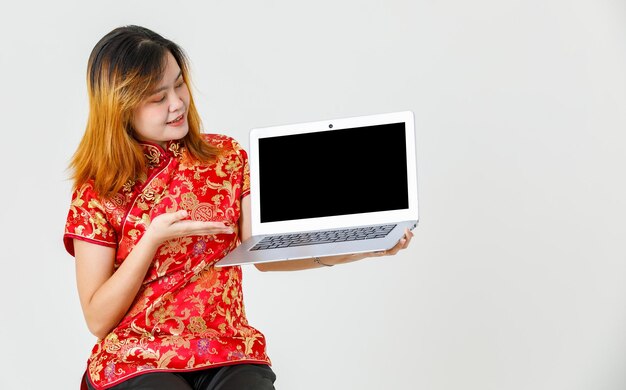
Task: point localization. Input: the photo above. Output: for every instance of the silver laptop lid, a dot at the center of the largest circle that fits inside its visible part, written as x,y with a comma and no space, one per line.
333,174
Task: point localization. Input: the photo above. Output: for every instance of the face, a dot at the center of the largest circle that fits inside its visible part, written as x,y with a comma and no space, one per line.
163,115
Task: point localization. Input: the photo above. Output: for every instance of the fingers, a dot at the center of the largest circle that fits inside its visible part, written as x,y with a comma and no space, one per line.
180,218
174,217
408,235
402,244
177,224
196,228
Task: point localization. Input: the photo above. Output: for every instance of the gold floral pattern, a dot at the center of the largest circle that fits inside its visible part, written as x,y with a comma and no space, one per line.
188,314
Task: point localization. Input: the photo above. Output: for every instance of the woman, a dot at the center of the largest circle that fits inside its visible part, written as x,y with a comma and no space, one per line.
155,205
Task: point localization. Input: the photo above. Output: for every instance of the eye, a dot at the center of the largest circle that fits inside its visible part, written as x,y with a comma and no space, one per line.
158,98
179,84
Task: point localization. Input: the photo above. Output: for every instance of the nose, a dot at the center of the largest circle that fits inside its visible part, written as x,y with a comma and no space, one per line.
176,102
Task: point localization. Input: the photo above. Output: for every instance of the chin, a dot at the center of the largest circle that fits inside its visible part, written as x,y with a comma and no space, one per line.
179,133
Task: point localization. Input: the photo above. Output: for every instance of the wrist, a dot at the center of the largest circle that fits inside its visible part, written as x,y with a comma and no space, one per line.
318,261
150,240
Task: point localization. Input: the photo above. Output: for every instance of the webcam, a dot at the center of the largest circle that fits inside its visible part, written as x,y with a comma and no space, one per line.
330,126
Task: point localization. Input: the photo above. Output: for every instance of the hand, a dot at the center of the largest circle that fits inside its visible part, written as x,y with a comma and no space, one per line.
402,244
173,225
294,265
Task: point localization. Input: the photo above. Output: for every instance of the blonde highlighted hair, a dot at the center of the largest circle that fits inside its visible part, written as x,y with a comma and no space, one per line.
124,67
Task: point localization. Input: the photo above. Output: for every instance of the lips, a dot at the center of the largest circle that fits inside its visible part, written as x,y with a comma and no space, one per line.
177,119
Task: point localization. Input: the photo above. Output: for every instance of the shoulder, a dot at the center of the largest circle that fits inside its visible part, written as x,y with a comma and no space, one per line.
85,190
221,141
228,145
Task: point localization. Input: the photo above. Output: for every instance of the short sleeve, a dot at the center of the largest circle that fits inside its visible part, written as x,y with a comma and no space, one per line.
245,180
87,220
245,188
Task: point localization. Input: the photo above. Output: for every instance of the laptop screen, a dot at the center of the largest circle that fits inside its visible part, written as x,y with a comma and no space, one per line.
331,173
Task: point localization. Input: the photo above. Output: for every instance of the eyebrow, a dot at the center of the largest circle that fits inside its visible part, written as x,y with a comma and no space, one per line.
166,86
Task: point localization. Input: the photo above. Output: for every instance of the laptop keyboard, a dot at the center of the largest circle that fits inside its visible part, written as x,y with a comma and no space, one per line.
325,237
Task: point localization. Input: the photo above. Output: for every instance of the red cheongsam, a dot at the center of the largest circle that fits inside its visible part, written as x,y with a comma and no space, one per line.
188,315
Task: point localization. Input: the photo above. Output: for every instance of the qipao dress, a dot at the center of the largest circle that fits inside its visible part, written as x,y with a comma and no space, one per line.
188,315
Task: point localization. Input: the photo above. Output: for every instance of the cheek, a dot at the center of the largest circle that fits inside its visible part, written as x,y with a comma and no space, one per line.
145,120
135,120
185,95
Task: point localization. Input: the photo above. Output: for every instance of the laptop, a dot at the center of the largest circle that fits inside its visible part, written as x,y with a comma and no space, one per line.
330,187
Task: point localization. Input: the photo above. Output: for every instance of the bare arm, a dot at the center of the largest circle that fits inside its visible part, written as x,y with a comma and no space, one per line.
296,265
105,294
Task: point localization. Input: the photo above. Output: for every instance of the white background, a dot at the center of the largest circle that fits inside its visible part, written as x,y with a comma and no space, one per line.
516,277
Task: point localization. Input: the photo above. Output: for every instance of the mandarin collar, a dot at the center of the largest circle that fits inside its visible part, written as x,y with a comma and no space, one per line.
155,153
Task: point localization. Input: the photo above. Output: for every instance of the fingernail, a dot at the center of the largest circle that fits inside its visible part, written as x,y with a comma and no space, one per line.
183,213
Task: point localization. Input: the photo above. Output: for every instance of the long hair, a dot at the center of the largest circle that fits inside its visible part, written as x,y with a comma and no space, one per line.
124,67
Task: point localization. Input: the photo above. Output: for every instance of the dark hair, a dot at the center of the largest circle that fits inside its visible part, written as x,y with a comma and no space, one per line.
131,51
124,67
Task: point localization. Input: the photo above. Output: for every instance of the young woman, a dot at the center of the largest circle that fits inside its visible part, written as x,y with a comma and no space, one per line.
155,205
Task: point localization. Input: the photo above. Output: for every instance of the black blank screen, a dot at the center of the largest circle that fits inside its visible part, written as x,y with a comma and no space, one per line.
335,172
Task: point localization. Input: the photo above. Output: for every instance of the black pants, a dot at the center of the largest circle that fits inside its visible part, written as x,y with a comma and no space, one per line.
236,377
